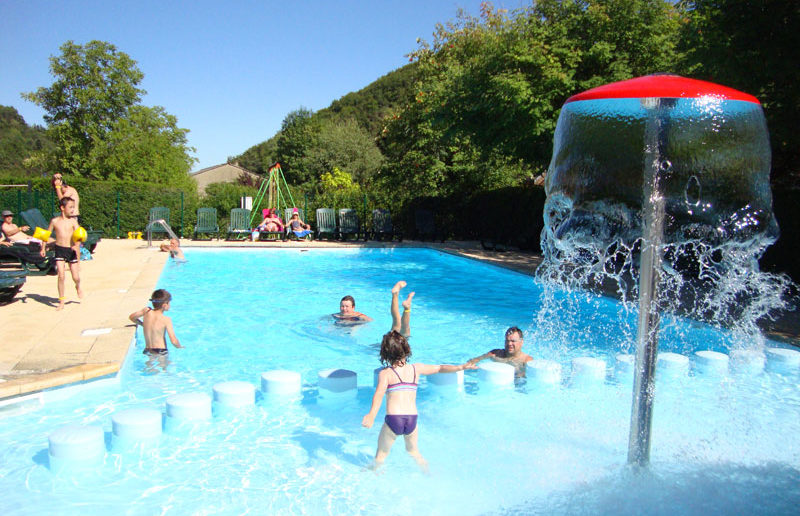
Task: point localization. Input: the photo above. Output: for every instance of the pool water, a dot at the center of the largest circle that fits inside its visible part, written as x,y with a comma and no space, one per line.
721,446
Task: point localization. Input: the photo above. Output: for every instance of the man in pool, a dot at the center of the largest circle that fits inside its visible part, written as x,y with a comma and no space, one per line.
512,353
347,313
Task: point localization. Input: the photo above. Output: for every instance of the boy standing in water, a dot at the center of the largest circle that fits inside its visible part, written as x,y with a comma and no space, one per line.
66,249
155,324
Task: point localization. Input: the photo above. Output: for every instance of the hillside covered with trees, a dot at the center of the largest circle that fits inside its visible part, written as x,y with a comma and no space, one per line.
477,108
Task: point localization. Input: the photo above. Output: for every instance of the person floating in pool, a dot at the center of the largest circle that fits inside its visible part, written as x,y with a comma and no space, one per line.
347,314
398,381
155,324
512,353
173,247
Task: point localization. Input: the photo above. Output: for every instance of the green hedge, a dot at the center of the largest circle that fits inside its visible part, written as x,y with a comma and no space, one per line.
113,207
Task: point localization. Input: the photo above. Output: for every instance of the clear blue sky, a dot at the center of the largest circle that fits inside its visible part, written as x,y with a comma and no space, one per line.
230,71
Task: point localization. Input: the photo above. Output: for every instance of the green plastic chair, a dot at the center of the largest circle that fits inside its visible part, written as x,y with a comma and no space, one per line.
239,224
382,226
34,218
326,223
10,283
206,223
159,212
348,223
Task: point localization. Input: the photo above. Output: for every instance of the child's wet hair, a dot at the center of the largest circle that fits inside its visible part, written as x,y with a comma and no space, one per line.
160,297
64,200
394,348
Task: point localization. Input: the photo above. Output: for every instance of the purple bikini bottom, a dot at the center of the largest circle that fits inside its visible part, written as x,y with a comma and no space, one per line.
401,425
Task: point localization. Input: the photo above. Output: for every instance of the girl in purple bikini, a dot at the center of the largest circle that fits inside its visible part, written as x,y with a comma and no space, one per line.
398,380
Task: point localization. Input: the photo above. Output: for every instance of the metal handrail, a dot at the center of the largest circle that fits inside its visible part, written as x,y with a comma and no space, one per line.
163,223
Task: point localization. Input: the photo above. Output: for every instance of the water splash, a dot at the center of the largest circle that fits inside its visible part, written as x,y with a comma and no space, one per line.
713,172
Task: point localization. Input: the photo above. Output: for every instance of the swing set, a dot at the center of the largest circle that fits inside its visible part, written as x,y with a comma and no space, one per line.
275,192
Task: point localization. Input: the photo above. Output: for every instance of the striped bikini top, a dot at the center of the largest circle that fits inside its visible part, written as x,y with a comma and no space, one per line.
401,385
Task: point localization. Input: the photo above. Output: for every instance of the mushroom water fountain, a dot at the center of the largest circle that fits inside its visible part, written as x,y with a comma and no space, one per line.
658,188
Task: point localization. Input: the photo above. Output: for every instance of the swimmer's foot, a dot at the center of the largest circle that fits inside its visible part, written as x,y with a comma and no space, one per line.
423,464
79,291
407,302
397,286
60,304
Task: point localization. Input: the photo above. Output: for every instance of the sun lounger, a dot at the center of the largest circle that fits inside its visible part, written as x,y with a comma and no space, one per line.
239,224
348,223
326,223
27,257
382,226
425,226
206,223
10,283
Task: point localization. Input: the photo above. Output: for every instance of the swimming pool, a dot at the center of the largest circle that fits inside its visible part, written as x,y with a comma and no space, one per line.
718,445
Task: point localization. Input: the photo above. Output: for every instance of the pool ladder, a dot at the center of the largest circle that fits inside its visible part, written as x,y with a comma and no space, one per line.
163,223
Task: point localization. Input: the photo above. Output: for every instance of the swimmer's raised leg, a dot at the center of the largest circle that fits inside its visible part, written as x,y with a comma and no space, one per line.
405,321
395,309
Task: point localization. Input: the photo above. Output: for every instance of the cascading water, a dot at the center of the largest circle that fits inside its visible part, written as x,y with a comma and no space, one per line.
658,189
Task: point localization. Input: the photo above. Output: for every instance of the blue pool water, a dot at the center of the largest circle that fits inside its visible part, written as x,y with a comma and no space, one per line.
720,446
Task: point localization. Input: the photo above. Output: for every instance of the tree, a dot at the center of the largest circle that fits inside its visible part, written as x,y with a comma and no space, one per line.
299,133
95,85
346,145
97,124
145,145
754,46
19,143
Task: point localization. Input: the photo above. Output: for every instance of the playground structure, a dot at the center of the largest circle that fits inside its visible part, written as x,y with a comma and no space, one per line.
276,192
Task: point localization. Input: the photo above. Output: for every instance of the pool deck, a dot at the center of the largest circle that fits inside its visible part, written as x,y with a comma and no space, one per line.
41,348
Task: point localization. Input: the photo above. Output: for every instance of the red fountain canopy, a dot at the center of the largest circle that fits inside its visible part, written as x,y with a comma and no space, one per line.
662,86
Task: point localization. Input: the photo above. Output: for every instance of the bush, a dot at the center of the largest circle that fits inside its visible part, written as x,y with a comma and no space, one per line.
112,206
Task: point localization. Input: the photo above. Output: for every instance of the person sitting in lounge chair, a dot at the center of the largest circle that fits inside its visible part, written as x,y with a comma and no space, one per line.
298,227
271,223
15,234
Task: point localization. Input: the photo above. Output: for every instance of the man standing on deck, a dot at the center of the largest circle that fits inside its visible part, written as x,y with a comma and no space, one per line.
64,190
512,353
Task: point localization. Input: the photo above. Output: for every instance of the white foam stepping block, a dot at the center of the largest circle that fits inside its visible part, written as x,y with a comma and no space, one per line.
747,361
672,365
496,373
189,406
782,360
77,445
136,425
337,381
543,371
281,382
624,365
711,363
234,394
447,379
588,370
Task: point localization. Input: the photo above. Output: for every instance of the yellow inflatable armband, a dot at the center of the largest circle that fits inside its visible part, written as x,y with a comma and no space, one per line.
79,235
41,234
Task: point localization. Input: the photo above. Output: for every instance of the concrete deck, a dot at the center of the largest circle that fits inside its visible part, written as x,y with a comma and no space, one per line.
41,348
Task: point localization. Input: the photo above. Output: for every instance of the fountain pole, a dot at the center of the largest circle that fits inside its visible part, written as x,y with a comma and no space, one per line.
649,274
